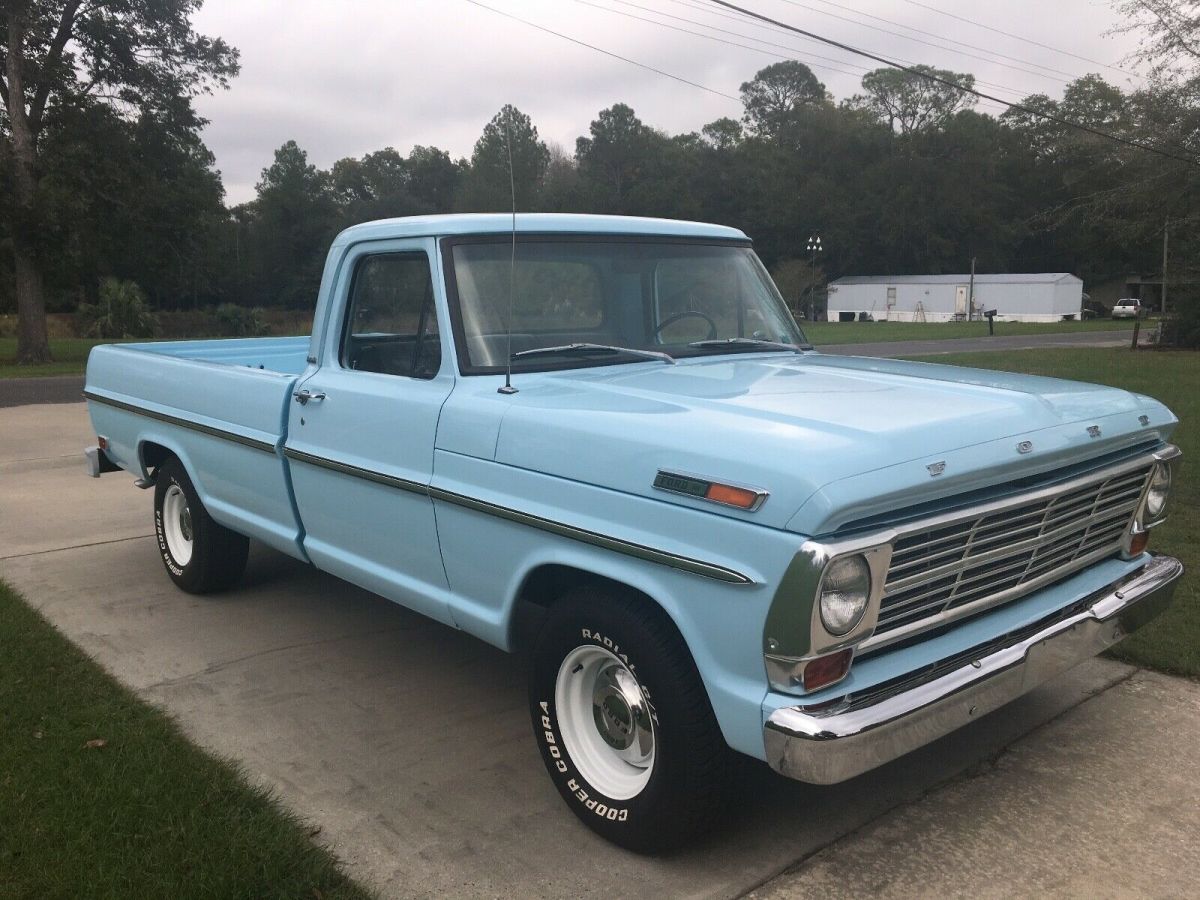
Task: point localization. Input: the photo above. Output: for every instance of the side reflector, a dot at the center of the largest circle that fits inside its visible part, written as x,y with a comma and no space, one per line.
1138,542
825,670
731,496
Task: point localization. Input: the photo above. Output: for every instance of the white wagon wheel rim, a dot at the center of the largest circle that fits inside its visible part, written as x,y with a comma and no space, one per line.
605,721
177,525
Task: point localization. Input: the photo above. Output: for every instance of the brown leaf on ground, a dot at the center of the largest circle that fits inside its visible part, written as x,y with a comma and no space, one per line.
95,744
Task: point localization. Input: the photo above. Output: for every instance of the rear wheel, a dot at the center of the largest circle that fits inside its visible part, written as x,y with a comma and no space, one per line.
200,556
623,722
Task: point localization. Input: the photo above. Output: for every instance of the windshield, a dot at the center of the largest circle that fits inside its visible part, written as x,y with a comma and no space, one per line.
682,299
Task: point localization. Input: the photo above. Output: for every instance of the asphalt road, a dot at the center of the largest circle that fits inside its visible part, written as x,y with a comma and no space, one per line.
408,743
69,388
25,391
972,345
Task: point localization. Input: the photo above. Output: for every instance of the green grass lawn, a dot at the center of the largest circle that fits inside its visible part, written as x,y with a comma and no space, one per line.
102,796
1172,642
871,332
70,356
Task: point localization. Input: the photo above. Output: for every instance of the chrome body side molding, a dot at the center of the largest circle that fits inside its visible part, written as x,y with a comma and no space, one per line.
182,423
402,484
551,526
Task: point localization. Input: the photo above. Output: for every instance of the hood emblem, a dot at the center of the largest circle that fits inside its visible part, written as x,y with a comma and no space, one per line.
1094,431
1144,420
1025,447
936,469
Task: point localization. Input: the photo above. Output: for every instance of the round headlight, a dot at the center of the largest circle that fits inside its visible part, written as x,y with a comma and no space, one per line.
1160,488
845,591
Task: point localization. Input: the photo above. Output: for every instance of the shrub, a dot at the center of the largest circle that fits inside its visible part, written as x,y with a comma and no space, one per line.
1182,327
239,321
122,312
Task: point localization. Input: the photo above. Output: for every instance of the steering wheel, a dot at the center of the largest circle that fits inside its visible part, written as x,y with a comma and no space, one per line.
687,314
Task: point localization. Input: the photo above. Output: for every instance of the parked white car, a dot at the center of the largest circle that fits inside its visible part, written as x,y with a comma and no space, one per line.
1128,308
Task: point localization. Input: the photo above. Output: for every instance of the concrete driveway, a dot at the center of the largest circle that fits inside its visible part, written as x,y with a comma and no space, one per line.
408,743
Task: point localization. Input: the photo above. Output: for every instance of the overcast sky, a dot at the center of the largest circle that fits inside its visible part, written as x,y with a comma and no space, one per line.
349,77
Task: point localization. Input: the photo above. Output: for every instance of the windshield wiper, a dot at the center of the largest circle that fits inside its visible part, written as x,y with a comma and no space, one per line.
745,343
597,348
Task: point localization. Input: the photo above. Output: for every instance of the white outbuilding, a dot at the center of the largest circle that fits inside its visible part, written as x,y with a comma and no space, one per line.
1042,297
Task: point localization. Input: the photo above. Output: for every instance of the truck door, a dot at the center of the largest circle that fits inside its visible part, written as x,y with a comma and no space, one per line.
361,427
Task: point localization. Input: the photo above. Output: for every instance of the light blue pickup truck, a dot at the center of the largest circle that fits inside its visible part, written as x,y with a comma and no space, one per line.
604,441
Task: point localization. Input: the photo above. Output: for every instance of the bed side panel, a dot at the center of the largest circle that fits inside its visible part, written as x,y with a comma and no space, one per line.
225,422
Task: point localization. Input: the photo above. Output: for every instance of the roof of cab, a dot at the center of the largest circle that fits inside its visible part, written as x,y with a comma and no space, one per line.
531,223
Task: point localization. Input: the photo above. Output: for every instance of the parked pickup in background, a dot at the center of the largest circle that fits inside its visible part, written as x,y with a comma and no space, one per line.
605,442
1129,308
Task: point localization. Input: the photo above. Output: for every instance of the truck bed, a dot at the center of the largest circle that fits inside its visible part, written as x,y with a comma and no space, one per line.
221,406
282,355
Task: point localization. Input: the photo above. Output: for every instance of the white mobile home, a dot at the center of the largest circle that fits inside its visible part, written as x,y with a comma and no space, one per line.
1045,297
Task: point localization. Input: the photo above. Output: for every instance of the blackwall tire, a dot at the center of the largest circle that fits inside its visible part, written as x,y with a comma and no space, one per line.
610,672
199,555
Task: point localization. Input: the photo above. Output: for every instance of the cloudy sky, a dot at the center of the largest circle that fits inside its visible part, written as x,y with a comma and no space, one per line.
348,77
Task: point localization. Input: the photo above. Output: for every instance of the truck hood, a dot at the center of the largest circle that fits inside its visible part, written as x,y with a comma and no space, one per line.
832,439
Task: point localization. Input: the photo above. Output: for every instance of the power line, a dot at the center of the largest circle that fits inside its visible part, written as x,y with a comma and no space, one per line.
699,6
917,40
1018,37
1050,117
867,15
625,59
709,37
793,50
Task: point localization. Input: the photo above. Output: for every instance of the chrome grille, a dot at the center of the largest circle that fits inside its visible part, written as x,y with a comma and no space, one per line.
978,561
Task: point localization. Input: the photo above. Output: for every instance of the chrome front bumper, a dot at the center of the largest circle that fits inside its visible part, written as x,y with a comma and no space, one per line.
832,741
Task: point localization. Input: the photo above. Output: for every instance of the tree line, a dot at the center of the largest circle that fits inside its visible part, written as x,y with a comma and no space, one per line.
104,173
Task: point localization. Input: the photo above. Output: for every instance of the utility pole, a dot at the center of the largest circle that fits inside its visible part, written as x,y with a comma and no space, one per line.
814,247
971,292
1166,226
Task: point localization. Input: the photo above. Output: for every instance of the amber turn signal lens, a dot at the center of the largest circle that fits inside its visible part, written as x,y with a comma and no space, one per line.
1138,542
731,496
826,670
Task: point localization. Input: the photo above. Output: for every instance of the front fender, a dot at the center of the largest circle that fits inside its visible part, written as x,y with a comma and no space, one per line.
488,559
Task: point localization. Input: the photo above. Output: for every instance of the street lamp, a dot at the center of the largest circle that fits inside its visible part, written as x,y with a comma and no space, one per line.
814,247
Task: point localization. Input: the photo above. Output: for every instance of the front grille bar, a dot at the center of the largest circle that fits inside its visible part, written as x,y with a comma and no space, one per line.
958,564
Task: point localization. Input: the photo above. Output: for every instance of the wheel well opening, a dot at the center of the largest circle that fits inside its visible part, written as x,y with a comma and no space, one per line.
154,455
545,585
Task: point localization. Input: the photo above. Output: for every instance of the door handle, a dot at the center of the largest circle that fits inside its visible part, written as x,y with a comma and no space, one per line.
303,395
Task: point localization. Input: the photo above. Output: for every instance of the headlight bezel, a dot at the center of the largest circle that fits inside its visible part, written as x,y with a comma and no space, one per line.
1162,470
1166,460
794,633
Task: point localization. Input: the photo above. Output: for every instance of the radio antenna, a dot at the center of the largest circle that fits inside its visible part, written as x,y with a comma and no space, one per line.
512,263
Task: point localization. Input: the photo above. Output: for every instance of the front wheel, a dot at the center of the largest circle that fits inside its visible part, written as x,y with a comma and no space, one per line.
623,722
200,555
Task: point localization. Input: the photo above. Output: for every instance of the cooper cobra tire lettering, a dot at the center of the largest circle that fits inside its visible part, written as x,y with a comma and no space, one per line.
161,536
612,813
218,554
681,789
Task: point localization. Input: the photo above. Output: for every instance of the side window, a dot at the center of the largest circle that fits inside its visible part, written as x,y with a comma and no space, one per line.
391,326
